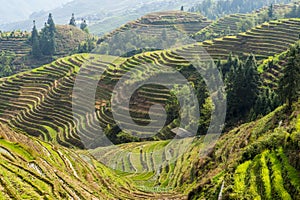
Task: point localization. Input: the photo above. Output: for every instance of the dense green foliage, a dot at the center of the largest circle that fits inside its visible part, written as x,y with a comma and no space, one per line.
44,43
242,86
36,50
6,63
87,45
289,85
130,43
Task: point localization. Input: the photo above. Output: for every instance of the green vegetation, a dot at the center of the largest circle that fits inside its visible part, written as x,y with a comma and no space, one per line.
155,31
42,150
6,63
44,44
289,84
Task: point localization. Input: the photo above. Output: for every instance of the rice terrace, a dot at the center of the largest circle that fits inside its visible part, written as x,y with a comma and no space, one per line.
160,99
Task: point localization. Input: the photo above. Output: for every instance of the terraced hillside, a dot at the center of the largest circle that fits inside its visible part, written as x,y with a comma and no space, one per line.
227,25
17,45
271,69
15,42
28,98
236,23
32,169
151,25
259,159
67,40
262,41
36,169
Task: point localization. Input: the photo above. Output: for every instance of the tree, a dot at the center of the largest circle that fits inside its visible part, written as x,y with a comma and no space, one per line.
242,86
252,79
271,12
52,31
205,116
47,40
36,51
72,21
83,25
289,84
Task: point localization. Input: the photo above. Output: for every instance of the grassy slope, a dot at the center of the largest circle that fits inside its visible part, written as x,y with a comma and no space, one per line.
32,169
258,160
267,151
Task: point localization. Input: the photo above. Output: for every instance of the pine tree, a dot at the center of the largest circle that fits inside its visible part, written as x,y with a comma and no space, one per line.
47,40
271,12
36,51
44,39
242,86
289,84
252,83
52,31
72,21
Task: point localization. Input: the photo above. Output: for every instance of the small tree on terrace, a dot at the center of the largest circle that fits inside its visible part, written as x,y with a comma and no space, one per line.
72,21
83,25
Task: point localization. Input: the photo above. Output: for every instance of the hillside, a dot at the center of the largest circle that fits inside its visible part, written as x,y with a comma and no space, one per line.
67,40
269,146
252,40
150,113
262,155
30,96
153,24
235,23
32,169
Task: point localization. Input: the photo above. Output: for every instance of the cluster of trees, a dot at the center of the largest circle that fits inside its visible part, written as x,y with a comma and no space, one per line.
294,13
43,43
242,87
13,34
289,84
214,9
87,46
246,99
83,25
6,65
129,43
